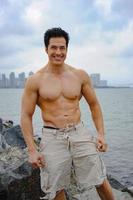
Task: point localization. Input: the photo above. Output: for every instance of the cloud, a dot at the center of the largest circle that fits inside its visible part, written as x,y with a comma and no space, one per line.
106,52
104,6
11,16
123,8
100,35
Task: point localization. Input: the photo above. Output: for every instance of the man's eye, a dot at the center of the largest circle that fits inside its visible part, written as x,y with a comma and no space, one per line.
53,47
62,48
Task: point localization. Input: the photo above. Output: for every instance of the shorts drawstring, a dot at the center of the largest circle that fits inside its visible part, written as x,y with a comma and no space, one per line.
65,136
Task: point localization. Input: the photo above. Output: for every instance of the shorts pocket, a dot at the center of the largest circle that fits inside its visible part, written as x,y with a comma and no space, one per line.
44,175
45,140
85,148
42,144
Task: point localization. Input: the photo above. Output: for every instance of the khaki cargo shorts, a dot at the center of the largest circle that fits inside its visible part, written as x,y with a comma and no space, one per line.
66,150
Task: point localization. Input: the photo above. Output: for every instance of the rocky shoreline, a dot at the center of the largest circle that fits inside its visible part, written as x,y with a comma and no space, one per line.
18,181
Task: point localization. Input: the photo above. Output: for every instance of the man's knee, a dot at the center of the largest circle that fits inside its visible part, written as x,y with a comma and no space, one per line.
105,191
60,195
104,187
104,184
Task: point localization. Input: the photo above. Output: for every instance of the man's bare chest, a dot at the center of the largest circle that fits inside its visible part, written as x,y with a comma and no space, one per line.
52,88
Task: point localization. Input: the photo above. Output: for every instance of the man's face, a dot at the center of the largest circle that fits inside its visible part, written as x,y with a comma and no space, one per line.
57,50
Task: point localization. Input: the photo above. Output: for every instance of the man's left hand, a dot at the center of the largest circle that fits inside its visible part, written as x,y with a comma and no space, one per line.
101,145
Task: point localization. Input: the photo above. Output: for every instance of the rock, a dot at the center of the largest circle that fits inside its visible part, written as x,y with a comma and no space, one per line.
5,124
76,193
118,186
18,181
27,188
1,125
122,195
131,189
14,137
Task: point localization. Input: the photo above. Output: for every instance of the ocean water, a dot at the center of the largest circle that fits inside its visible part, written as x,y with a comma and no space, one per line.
117,107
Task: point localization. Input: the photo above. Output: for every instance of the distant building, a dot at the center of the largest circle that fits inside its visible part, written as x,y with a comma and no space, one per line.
97,82
12,80
4,81
0,81
95,79
21,80
31,73
103,83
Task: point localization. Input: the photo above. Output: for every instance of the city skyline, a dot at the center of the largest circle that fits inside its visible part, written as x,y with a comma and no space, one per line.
101,40
13,81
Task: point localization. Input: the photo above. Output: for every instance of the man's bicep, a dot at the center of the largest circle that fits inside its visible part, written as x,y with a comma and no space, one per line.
87,88
89,93
29,100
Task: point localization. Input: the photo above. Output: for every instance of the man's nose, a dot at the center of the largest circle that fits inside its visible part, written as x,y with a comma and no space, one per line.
58,51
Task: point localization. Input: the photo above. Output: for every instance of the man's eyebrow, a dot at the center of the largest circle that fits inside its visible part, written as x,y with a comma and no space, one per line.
53,45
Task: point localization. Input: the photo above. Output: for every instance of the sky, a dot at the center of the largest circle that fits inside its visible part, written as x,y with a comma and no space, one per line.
101,35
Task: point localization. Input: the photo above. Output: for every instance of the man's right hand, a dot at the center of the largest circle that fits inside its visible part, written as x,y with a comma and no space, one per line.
36,159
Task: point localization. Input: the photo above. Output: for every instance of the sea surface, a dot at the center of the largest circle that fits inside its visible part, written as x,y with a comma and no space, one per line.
117,107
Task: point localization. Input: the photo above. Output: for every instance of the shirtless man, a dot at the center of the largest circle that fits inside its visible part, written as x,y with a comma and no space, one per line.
57,89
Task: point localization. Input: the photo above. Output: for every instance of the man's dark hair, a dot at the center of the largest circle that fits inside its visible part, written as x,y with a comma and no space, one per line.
55,32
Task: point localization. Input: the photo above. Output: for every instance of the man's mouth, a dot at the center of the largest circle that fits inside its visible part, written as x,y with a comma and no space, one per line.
58,58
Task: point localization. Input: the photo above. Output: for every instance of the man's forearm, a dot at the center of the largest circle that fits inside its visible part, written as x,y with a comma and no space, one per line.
98,119
27,129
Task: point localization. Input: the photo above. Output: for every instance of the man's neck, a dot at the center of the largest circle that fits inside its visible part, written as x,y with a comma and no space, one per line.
56,69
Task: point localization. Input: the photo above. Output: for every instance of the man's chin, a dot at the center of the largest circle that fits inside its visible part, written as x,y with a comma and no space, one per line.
58,63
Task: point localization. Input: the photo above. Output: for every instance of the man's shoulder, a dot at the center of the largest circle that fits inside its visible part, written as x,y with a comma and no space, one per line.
77,70
33,80
82,74
36,76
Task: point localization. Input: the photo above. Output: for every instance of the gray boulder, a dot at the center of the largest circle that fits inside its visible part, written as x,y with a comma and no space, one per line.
13,136
18,181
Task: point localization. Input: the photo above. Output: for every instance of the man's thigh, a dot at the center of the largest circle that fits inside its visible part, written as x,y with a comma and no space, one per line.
88,165
56,173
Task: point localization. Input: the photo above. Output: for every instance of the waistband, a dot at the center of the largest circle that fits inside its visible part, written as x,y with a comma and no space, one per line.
69,127
51,127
